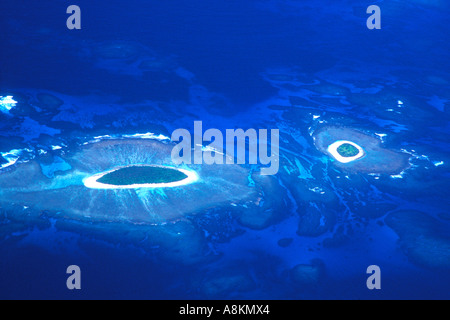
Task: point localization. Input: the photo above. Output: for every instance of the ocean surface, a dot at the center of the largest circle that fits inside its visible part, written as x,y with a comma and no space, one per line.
137,70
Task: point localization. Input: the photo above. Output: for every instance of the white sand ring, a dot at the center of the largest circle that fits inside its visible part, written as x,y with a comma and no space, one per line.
332,149
92,181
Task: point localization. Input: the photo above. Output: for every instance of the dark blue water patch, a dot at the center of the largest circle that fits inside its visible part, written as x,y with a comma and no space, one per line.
105,274
8,143
70,75
110,269
3,160
58,165
43,274
225,44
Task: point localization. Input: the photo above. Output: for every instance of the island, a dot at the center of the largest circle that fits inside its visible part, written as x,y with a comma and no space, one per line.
345,151
357,151
141,176
135,181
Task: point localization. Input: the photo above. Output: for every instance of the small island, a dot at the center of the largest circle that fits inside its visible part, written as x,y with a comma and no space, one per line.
358,151
345,151
141,176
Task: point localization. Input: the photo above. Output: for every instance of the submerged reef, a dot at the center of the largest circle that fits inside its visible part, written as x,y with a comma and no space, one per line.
223,284
308,274
376,159
269,208
121,50
47,101
422,238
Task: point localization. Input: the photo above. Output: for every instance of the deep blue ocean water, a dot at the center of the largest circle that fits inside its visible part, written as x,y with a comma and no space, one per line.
155,66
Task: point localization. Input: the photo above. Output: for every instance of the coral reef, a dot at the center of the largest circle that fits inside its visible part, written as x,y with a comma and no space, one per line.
376,159
32,184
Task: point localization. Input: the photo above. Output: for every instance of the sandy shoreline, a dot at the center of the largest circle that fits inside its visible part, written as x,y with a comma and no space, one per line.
332,149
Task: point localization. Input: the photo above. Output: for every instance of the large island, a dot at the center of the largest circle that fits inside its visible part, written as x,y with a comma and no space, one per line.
141,176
